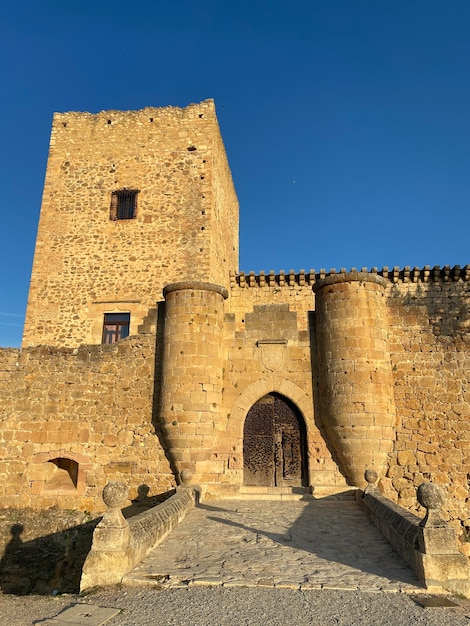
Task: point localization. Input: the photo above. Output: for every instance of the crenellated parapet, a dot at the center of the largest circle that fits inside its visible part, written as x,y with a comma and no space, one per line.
303,278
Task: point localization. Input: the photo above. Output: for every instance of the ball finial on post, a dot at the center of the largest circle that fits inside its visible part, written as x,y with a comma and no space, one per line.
431,497
371,478
115,494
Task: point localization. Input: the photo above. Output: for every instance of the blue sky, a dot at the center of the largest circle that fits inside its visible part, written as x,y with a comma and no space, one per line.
346,122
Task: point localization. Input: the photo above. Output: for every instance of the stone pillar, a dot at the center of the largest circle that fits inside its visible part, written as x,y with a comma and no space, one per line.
192,374
108,559
440,564
355,379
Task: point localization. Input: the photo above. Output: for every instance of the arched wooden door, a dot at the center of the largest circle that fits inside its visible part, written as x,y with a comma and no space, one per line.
274,450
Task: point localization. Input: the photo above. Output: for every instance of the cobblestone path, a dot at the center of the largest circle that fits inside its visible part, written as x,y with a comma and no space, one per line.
299,545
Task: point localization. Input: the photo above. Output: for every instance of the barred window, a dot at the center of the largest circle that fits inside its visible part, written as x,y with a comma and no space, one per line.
124,204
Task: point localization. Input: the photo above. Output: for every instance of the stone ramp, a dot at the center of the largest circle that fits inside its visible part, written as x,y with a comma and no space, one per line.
307,544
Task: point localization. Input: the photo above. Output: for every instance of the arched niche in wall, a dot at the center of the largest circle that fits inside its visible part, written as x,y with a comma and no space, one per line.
63,475
59,472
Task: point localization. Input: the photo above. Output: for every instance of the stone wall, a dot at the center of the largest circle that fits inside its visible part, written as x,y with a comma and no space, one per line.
250,290
71,420
43,552
269,329
224,216
376,365
74,419
430,354
429,346
186,222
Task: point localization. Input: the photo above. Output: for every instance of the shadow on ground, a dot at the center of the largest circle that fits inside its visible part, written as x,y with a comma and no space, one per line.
332,531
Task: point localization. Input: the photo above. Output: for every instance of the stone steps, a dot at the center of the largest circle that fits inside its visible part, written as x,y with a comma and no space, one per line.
294,493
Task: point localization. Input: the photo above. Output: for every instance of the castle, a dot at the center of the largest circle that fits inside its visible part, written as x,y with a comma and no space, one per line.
148,356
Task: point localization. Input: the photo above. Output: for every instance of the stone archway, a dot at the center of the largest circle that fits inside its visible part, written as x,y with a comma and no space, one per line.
274,444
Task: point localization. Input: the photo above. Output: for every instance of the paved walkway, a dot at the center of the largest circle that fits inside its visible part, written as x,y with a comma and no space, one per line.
296,545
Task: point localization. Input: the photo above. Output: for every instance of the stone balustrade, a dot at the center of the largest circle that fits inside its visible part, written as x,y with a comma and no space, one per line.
119,544
429,546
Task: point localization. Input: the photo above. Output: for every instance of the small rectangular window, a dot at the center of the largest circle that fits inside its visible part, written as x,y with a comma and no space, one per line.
115,327
124,204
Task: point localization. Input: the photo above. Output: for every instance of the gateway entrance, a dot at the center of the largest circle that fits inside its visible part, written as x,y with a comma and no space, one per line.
274,444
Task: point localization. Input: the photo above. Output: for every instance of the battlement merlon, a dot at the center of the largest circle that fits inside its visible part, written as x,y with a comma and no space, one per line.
304,278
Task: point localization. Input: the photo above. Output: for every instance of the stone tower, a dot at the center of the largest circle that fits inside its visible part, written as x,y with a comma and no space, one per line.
356,400
132,201
193,367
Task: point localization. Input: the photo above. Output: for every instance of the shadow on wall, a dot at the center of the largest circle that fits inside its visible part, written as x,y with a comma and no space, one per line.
447,305
49,564
157,388
53,562
317,409
143,502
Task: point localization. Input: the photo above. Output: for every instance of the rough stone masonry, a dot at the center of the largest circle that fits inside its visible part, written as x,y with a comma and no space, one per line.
147,353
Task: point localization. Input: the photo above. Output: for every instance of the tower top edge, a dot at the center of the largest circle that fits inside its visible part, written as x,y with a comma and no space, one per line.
205,105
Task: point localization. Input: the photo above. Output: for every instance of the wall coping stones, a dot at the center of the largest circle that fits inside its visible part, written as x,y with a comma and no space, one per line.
349,277
195,286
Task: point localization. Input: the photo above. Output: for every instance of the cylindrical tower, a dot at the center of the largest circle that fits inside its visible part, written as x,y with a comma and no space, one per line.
192,372
355,378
